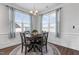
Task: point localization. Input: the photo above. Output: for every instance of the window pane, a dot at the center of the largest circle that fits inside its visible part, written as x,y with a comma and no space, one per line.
53,22
26,27
18,27
22,21
49,22
18,17
26,18
45,22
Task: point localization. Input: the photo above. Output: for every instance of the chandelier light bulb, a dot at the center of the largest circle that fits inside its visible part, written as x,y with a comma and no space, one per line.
31,11
36,11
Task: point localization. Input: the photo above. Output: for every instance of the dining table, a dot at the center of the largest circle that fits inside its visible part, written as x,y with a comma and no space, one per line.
35,41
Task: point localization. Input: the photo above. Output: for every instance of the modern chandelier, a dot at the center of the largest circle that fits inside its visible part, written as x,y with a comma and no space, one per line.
34,11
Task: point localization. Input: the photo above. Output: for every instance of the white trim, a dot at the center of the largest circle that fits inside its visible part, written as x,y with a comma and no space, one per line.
68,34
3,33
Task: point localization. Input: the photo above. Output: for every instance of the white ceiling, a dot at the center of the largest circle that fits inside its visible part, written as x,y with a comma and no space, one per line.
39,6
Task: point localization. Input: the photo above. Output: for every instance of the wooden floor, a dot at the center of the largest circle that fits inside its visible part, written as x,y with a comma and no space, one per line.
63,50
7,50
66,51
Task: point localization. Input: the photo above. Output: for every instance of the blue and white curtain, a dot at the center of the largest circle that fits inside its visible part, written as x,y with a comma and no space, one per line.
58,22
11,23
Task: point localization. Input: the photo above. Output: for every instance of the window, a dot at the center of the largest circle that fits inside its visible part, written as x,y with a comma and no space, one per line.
22,21
49,22
45,23
52,19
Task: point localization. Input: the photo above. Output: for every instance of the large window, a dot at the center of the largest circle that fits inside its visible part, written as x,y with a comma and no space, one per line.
52,19
22,21
49,22
45,23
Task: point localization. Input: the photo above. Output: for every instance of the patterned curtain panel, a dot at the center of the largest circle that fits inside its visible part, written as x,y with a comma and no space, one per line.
11,23
58,20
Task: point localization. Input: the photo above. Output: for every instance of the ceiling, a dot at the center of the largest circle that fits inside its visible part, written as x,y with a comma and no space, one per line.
38,6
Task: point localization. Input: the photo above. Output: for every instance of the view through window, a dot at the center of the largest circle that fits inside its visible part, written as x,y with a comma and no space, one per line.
22,21
49,22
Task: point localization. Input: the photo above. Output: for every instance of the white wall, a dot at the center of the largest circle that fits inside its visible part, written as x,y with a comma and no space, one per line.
69,36
4,20
4,29
36,22
39,24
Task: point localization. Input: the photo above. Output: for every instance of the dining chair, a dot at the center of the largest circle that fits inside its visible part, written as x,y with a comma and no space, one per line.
27,32
27,42
24,42
45,40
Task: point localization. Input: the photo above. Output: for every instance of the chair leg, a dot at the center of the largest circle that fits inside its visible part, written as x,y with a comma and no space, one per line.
25,50
34,48
22,49
41,51
46,49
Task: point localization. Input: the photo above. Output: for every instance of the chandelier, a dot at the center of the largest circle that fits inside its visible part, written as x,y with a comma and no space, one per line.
34,11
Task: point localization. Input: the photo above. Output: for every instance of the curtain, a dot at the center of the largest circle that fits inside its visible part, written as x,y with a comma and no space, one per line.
11,23
58,20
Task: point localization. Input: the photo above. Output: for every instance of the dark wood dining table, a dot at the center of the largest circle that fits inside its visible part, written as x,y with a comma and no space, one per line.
34,37
34,41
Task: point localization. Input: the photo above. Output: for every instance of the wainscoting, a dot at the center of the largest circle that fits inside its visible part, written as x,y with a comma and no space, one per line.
5,41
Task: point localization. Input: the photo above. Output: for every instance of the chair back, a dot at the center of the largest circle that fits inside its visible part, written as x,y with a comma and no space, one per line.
26,39
27,32
22,37
45,34
45,37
